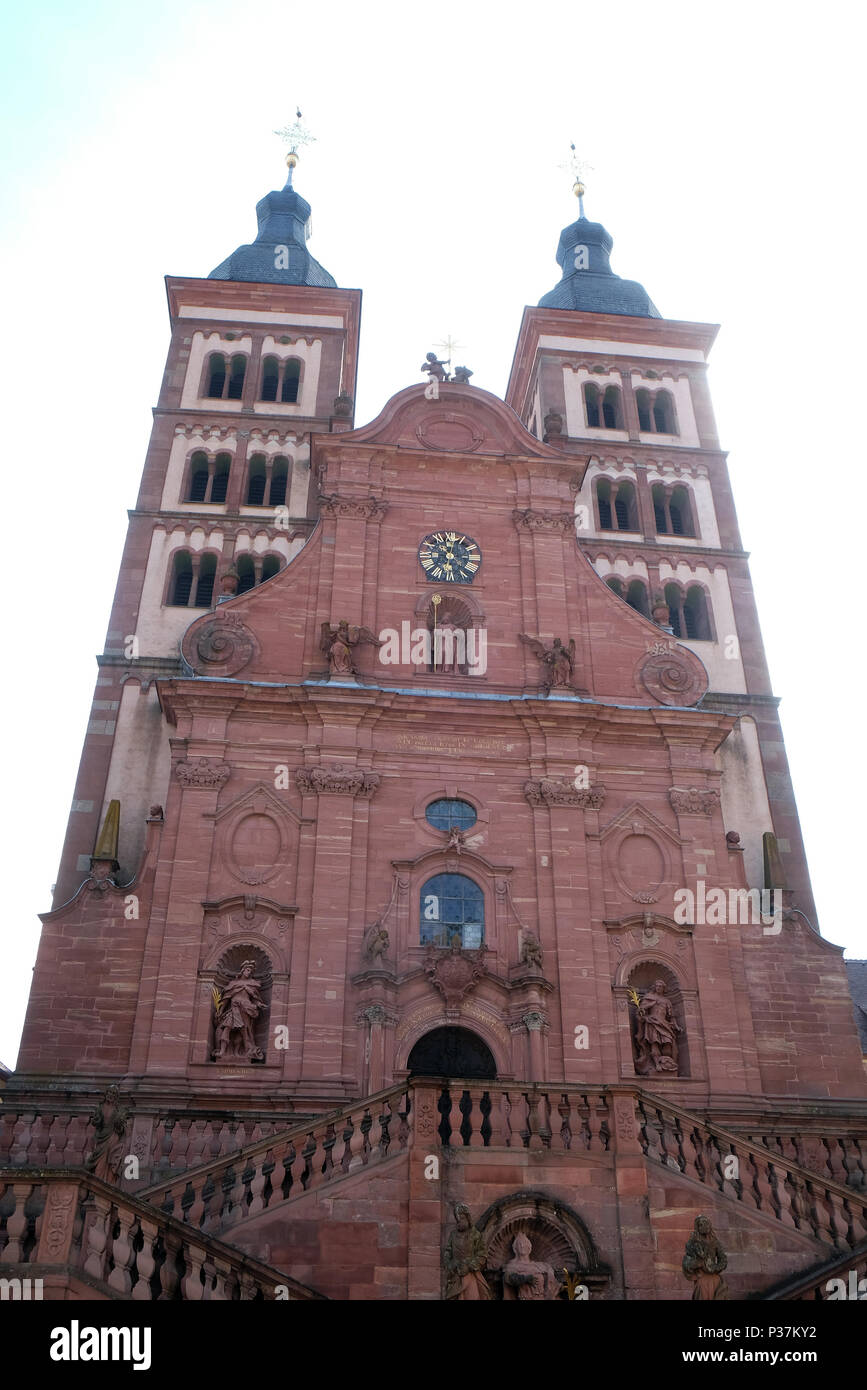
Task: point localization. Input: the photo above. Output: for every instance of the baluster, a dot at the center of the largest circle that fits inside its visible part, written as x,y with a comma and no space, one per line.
257,1186
384,1120
145,1259
690,1153
248,1286
21,1137
191,1284
836,1159
39,1141
818,1214
97,1235
196,1150
597,1118
497,1119
799,1204
122,1253
196,1213
169,1267
564,1110
475,1117
165,1159
307,1155
222,1273
763,1186
235,1198
533,1138
8,1121
837,1220
16,1225
290,1176
404,1107
857,1220
584,1137
358,1143
56,1141
181,1142
219,1204
782,1200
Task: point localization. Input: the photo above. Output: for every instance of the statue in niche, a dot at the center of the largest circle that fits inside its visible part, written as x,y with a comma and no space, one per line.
464,1260
525,1278
656,1031
446,649
110,1121
558,661
531,950
236,1009
377,941
338,641
703,1262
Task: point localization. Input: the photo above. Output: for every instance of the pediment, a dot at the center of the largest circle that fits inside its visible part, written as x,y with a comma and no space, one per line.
259,799
638,820
462,420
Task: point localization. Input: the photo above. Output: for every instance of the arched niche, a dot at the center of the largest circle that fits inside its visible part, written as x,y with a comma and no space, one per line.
557,1235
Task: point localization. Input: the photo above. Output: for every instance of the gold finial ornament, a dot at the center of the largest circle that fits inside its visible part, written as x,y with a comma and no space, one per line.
578,189
296,136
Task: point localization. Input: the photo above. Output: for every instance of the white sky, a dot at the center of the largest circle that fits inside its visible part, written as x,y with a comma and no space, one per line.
726,145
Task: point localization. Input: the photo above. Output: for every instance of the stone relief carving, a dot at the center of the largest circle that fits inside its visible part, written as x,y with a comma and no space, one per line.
221,647
704,1261
454,972
550,791
339,640
203,772
464,1260
693,801
376,942
364,507
525,1278
673,676
543,521
558,662
348,780
531,950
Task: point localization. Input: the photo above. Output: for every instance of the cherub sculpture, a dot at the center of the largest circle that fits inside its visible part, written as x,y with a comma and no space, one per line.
338,640
434,367
531,950
376,941
558,661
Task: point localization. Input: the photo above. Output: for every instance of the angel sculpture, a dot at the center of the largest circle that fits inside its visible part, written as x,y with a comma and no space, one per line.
559,661
337,641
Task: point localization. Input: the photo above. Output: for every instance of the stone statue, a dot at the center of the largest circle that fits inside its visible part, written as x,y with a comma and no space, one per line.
338,640
239,1005
463,1260
558,661
377,941
525,1278
655,1032
445,649
703,1262
110,1120
531,949
457,840
433,367
462,376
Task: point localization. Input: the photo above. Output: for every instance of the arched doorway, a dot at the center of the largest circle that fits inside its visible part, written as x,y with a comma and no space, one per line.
452,1052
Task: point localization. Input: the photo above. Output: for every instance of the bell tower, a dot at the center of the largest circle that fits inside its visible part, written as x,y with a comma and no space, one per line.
262,355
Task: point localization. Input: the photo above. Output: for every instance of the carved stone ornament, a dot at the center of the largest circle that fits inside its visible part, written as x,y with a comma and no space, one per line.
203,772
543,521
350,781
364,507
454,972
525,1278
673,677
221,647
551,792
693,801
558,661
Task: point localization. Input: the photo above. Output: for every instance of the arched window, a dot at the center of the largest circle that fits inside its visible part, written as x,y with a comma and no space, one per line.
205,585
591,405
236,377
636,597
279,479
680,513
291,381
216,375
451,905
603,498
270,567
182,579
602,408
625,509
198,488
220,481
611,416
660,512
448,813
695,614
246,573
616,586
674,599
645,417
256,481
270,379
663,413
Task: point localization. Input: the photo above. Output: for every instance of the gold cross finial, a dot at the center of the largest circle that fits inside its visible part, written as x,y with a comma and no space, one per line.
296,136
449,345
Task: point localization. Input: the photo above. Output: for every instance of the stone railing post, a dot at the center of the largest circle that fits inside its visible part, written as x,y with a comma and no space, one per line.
425,1197
630,1173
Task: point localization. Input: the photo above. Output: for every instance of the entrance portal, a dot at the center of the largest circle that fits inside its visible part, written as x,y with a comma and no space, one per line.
452,1052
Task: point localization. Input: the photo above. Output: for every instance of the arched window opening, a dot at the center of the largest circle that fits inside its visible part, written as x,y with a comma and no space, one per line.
216,376
220,483
451,906
611,408
270,567
616,587
270,379
660,517
236,377
279,479
591,406
449,814
695,614
624,508
663,413
603,498
674,599
198,478
681,513
636,597
642,400
246,573
182,579
205,585
291,381
256,481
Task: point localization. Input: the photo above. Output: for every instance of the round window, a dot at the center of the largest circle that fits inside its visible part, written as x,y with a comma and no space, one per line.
448,813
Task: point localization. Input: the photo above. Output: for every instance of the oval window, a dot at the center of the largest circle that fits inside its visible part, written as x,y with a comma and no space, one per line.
448,813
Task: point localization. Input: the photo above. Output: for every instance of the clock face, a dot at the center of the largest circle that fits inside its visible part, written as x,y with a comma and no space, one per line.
449,557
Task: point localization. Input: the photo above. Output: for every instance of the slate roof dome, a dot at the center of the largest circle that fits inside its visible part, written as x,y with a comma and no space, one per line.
594,288
279,255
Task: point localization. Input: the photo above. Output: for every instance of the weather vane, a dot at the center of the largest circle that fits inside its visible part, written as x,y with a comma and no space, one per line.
578,168
296,136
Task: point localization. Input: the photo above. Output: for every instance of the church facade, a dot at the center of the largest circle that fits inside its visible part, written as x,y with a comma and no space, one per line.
433,919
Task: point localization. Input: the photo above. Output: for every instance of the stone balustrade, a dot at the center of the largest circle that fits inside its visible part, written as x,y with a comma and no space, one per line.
77,1233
